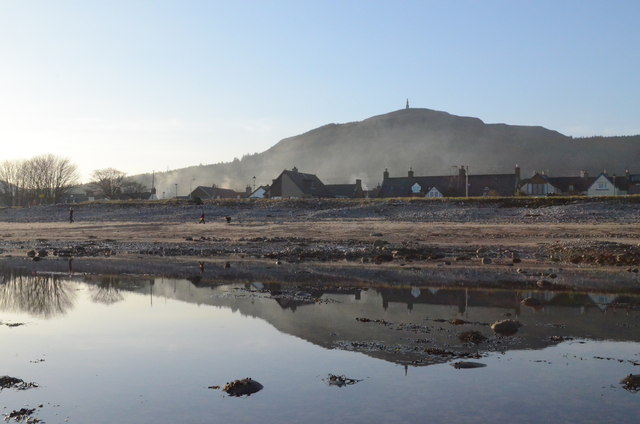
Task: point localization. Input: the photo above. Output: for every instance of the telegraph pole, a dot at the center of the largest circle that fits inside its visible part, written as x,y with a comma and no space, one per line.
466,182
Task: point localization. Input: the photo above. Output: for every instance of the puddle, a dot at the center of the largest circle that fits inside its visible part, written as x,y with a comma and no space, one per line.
106,349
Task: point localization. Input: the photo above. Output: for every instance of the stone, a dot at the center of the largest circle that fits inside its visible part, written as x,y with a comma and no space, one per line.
506,327
631,382
244,387
474,337
460,365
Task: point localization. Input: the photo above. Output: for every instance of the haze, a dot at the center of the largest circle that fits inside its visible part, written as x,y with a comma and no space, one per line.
142,86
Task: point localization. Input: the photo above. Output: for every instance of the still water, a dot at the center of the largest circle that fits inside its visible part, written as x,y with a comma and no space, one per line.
109,349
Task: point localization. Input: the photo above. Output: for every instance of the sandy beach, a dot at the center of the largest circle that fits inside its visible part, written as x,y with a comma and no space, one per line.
359,238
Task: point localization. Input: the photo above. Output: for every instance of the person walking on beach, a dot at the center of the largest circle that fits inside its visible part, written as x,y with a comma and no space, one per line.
71,215
201,217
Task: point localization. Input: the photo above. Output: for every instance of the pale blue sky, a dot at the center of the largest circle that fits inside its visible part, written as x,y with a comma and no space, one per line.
151,85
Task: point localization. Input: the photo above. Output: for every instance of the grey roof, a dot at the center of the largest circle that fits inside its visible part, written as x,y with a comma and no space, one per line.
621,182
206,192
500,184
565,184
344,190
309,184
401,186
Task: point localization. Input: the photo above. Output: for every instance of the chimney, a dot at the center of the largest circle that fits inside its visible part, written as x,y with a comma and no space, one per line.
358,184
517,172
294,169
410,173
584,174
462,172
385,174
248,190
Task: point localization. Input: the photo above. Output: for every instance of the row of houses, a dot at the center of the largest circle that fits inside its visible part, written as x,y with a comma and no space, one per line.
295,184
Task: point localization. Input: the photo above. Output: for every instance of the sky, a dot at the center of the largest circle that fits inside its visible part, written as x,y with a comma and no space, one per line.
155,85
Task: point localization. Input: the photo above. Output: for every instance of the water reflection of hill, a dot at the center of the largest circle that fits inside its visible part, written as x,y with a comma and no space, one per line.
417,318
401,325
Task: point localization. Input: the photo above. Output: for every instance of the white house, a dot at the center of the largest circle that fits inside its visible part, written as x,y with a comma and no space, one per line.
604,186
434,192
538,185
259,193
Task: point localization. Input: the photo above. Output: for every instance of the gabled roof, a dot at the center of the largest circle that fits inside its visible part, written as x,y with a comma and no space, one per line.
621,181
216,192
309,184
579,184
500,184
345,190
264,188
401,186
536,178
562,184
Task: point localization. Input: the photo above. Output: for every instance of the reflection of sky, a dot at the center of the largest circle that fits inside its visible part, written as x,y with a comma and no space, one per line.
133,362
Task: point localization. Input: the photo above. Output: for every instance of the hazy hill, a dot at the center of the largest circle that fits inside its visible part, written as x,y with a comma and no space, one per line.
431,142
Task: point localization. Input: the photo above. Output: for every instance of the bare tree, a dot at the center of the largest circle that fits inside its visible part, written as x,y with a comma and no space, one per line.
45,179
48,178
10,182
108,181
64,175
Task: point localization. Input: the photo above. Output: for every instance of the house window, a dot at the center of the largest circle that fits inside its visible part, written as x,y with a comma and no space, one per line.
416,188
538,189
602,185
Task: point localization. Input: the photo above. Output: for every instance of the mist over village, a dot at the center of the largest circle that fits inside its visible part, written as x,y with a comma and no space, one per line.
351,212
356,158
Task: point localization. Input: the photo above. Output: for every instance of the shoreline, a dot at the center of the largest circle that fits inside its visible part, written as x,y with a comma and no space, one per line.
400,242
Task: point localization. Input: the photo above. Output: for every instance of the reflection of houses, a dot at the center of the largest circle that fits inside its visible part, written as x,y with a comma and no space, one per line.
459,185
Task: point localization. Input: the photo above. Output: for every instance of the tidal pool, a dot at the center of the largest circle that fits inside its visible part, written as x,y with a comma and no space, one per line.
107,349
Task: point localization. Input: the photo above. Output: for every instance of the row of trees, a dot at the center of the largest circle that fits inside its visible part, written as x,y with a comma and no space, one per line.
48,179
42,179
